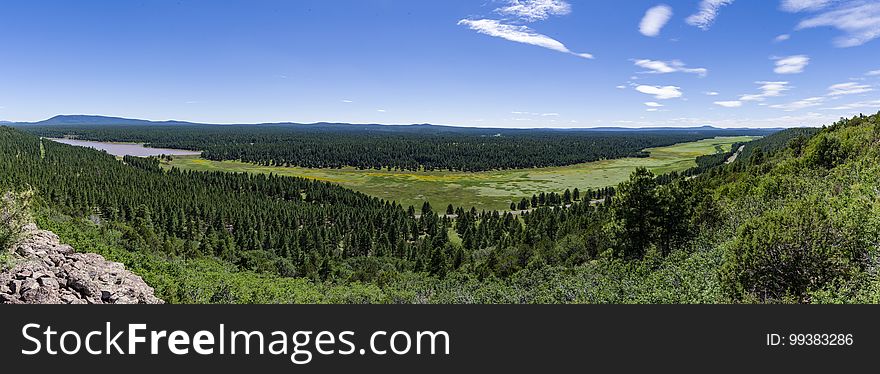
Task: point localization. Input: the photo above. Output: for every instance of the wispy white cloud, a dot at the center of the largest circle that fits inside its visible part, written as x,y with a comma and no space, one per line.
519,34
802,5
873,105
730,104
535,114
791,64
782,38
808,119
535,10
664,67
768,89
800,104
381,110
660,92
834,91
621,87
707,13
859,20
849,88
347,101
873,73
654,20
711,93
653,104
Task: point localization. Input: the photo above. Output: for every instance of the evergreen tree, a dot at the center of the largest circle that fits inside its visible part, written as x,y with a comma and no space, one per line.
635,213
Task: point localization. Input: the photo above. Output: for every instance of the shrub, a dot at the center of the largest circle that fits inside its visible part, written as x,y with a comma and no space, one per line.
787,253
826,151
14,214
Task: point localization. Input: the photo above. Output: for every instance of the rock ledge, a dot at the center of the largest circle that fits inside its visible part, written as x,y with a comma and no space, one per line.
48,272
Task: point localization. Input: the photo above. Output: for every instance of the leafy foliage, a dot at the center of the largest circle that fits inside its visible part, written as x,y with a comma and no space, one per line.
825,152
789,138
14,214
788,252
806,218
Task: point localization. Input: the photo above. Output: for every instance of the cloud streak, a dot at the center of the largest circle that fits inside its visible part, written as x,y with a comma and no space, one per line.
768,89
791,64
551,114
849,88
535,10
707,13
665,67
729,104
795,6
661,92
857,105
860,21
800,104
834,92
654,20
519,34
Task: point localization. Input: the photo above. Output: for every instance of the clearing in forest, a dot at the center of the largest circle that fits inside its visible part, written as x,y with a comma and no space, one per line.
483,190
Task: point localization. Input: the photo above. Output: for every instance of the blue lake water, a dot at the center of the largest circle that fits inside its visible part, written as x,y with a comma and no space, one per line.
126,149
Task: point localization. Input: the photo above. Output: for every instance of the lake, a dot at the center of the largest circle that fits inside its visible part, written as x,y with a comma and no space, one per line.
126,149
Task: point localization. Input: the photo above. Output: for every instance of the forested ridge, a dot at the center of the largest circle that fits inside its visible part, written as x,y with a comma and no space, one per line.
291,226
796,220
392,147
755,148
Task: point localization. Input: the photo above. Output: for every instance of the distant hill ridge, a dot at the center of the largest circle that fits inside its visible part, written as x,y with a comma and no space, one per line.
61,120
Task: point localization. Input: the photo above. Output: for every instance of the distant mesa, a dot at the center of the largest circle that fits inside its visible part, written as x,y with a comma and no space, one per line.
73,120
101,120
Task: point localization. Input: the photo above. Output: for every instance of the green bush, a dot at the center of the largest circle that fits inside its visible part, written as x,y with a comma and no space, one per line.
826,151
14,214
785,254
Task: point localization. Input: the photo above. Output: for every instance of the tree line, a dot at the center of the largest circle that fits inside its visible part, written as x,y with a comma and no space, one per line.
390,147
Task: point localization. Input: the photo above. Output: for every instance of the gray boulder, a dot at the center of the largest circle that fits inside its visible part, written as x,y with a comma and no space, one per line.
48,272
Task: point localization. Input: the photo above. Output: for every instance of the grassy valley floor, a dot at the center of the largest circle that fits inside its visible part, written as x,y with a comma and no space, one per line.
493,190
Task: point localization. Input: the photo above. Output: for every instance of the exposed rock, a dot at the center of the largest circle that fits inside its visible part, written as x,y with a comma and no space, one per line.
48,272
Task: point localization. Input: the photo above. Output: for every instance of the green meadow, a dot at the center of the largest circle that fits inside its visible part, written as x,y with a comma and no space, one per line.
483,190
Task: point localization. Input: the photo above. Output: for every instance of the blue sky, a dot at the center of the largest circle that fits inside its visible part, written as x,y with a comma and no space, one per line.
501,63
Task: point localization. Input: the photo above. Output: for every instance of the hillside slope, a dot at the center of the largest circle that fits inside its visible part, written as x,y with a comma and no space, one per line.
796,222
802,211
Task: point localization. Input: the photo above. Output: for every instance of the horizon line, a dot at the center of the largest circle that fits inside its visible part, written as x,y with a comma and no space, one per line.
396,124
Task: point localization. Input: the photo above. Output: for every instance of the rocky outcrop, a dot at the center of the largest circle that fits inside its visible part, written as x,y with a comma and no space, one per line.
48,272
